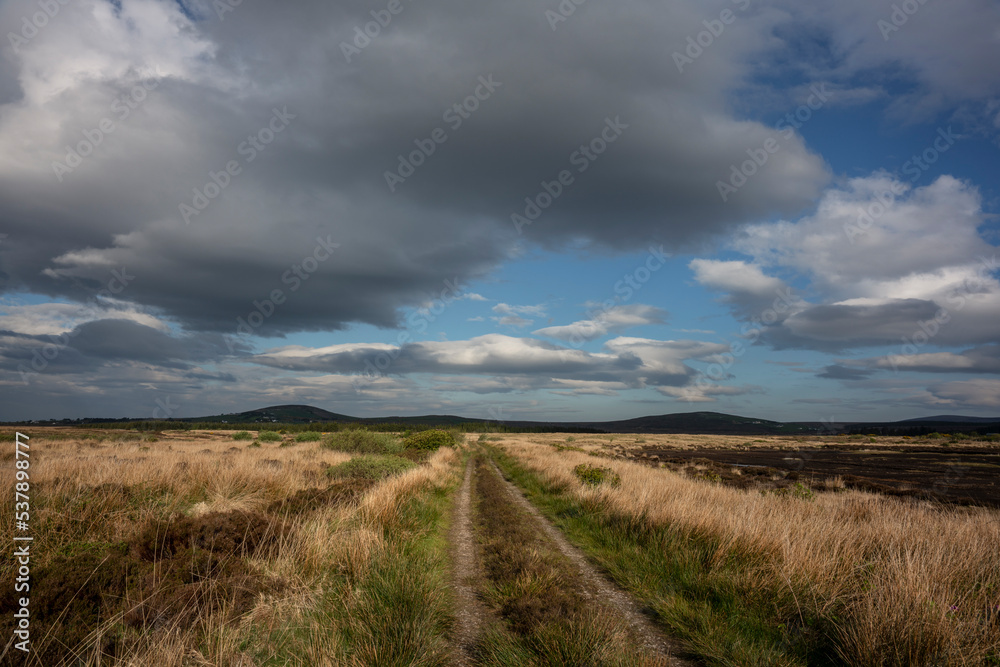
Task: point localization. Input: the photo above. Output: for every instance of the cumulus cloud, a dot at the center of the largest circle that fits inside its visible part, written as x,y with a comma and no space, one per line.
885,261
983,359
512,316
607,320
706,393
979,392
55,318
216,83
636,362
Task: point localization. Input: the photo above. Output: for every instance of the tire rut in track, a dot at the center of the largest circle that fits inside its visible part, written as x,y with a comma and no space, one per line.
598,587
470,613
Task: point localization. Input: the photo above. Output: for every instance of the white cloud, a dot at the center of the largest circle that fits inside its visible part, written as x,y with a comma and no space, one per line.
735,276
979,392
507,309
918,257
47,319
705,394
625,362
615,319
511,316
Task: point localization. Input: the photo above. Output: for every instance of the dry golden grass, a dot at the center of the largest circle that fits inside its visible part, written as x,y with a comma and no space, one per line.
194,473
86,491
909,583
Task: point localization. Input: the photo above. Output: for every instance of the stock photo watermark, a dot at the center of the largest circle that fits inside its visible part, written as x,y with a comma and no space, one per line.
718,371
582,159
455,116
598,316
34,24
43,356
740,175
562,13
377,366
223,7
164,405
364,34
22,541
714,28
249,149
927,330
899,17
915,167
297,274
121,108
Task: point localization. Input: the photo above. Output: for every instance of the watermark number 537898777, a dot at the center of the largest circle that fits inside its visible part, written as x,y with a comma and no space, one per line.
22,541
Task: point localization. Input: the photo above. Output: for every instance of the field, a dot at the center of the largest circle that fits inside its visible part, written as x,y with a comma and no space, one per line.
355,548
941,468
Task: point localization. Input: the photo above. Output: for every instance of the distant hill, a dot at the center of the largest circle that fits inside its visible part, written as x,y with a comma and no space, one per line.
955,418
697,422
688,422
684,422
285,414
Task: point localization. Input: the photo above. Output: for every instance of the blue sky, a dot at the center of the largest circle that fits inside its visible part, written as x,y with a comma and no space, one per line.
170,170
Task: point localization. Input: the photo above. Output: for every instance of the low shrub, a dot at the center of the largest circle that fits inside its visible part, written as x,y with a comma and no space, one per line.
308,436
430,440
595,475
269,436
243,435
363,442
370,467
800,491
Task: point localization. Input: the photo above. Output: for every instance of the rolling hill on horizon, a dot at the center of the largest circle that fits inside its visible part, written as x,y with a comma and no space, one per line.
682,422
701,422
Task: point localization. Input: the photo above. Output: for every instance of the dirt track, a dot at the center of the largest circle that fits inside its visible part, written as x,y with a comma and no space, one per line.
469,611
599,588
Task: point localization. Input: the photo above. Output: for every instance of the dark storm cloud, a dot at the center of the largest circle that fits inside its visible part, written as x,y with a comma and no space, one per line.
343,125
98,343
983,359
836,372
841,325
124,340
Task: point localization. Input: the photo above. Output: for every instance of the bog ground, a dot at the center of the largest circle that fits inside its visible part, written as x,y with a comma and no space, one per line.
355,548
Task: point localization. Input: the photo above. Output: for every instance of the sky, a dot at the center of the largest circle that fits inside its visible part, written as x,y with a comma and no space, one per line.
568,210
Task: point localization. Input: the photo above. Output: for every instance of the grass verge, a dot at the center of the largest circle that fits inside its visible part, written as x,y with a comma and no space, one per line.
548,620
698,598
200,553
704,558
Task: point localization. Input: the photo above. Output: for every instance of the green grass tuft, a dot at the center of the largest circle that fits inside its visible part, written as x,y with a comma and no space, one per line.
430,440
596,475
370,467
363,442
